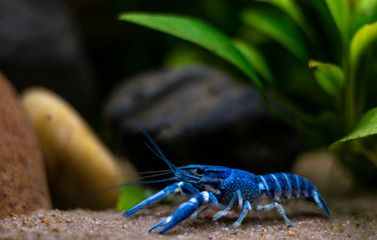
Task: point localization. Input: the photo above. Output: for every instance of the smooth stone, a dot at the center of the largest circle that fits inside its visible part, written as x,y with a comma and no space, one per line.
82,172
199,116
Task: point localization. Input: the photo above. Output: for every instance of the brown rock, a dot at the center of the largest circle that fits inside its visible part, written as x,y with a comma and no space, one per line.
22,174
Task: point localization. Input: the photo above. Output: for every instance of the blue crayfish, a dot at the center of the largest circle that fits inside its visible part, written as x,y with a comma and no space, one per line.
211,186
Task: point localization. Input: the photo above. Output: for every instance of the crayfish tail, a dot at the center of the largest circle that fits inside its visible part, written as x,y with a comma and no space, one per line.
320,203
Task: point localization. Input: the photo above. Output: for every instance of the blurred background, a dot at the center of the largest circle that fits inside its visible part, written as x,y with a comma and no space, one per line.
80,50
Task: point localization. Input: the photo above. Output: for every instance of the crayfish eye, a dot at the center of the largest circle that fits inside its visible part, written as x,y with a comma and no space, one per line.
199,172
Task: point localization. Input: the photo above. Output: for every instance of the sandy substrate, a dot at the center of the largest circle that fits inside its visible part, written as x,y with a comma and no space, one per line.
353,217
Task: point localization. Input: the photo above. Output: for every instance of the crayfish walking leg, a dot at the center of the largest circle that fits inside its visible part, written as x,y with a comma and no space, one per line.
279,208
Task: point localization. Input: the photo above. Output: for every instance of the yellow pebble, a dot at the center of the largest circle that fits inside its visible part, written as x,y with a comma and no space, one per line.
77,162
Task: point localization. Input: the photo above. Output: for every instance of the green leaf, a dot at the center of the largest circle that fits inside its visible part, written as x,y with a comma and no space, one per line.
329,77
290,7
197,32
183,56
362,39
278,28
340,12
366,127
325,19
255,59
365,12
130,196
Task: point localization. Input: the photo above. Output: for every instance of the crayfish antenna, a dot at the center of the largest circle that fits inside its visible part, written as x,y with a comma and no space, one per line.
158,150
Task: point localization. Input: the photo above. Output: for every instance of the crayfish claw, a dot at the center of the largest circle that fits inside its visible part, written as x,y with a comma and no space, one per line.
162,223
186,209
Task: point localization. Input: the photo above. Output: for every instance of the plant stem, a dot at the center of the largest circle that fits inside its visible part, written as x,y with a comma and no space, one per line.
349,98
349,91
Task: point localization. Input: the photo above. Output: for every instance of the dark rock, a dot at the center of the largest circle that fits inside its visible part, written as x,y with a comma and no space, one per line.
40,46
200,116
22,174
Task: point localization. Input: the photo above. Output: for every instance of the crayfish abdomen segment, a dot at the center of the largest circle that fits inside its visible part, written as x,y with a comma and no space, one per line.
284,186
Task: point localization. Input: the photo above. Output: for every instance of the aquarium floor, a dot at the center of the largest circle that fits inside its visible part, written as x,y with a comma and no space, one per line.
353,217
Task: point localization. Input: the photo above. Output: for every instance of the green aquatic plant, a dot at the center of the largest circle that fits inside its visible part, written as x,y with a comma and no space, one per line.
329,92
